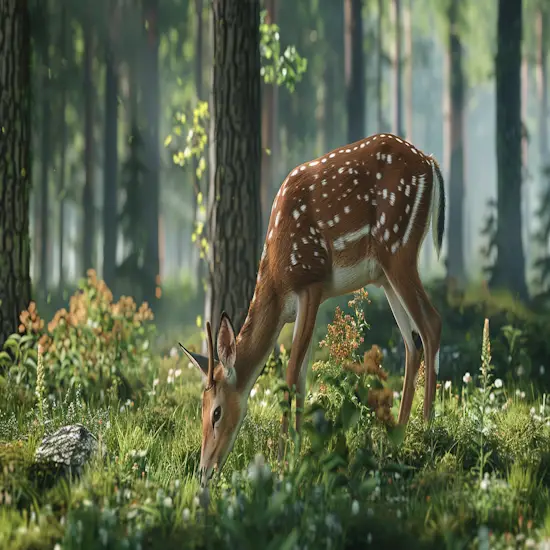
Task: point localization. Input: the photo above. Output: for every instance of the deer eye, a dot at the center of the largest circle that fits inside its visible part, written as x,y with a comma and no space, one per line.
216,415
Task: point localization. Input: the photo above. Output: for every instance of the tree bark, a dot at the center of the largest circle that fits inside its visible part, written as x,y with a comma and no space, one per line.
542,84
234,198
110,169
398,71
88,194
15,164
268,134
408,76
333,19
45,149
150,88
63,48
354,59
379,67
509,271
455,146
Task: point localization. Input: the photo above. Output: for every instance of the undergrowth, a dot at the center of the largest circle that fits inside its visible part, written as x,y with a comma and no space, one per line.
476,477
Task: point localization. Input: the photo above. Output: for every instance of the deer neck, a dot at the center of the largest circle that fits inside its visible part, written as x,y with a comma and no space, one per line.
258,335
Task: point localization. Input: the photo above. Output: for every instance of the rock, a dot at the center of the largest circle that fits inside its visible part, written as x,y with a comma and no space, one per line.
68,449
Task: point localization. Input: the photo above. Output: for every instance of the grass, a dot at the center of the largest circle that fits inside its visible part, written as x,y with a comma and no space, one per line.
477,477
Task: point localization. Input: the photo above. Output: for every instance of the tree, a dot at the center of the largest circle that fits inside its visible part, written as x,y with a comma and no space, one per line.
150,91
88,193
234,198
398,71
455,144
354,69
110,170
509,269
15,164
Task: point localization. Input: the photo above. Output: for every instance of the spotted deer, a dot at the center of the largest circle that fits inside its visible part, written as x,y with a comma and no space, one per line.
355,216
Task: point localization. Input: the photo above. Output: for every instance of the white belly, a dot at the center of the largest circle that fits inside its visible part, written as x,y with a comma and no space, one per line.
348,279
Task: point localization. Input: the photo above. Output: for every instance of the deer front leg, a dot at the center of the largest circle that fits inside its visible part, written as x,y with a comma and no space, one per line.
308,304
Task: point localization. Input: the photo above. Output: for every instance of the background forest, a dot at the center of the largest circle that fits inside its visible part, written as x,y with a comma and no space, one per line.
141,145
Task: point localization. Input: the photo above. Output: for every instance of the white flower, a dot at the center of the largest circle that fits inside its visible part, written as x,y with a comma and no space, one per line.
263,403
498,383
522,395
491,396
448,384
189,365
396,395
177,484
253,392
155,382
177,373
520,370
173,352
467,378
167,502
230,512
532,411
484,485
354,508
186,514
288,487
541,370
170,380
267,392
369,538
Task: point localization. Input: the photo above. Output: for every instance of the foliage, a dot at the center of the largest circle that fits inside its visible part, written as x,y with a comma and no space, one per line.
93,345
279,68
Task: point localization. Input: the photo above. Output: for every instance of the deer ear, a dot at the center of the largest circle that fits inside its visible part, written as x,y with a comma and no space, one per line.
198,360
227,347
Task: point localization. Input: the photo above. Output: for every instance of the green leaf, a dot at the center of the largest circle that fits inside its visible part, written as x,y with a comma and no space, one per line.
350,414
396,434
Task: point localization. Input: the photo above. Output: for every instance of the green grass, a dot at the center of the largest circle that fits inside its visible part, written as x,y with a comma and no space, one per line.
477,477
425,492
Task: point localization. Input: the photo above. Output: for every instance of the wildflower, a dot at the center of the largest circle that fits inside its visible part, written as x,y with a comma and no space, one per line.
541,370
484,484
173,352
186,514
467,378
491,396
189,365
498,383
369,538
177,373
177,483
520,370
259,470
167,502
263,403
253,392
288,487
447,384
354,508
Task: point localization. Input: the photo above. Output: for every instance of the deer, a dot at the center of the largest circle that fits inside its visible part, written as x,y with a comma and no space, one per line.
354,217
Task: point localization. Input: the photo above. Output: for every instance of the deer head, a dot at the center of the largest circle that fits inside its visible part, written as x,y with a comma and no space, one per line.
223,408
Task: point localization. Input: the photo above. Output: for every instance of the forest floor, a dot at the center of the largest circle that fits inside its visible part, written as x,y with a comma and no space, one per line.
477,477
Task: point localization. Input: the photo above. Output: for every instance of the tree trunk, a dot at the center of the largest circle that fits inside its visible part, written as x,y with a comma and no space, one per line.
455,146
234,198
268,134
509,269
333,16
542,84
150,88
15,164
354,60
45,149
88,194
397,72
110,169
380,67
525,171
408,76
63,48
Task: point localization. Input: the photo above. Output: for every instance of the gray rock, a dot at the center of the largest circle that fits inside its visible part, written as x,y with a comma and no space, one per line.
70,448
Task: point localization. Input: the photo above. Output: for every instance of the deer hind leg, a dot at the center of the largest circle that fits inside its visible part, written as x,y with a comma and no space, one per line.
412,353
415,301
308,305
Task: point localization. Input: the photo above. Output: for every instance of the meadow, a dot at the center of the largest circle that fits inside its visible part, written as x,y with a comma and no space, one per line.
477,477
